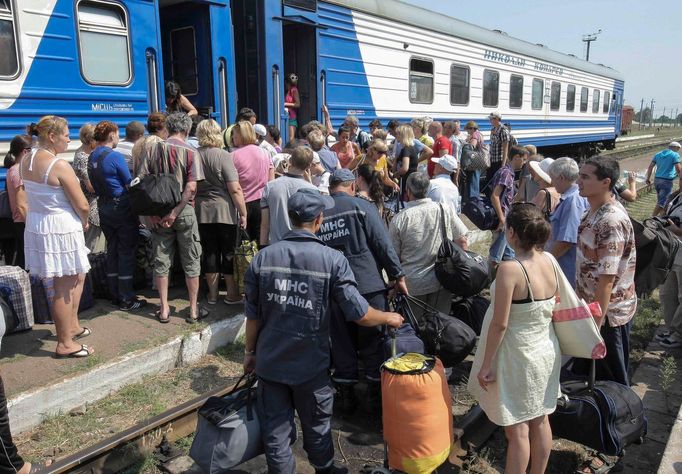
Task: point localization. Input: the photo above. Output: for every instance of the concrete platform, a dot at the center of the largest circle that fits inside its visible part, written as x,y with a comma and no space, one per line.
127,346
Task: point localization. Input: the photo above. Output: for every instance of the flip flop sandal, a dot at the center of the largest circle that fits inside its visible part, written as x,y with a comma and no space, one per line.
201,314
211,302
231,302
165,320
84,333
84,351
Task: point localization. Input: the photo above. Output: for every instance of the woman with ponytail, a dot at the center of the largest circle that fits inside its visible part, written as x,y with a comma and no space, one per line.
54,244
19,147
369,187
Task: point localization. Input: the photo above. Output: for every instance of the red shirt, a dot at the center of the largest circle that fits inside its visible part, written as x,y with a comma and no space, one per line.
440,143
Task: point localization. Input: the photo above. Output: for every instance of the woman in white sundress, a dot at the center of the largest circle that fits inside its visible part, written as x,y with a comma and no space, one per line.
54,244
515,374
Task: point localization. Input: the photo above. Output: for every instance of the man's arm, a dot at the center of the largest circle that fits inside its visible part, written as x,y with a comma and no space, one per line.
505,152
497,205
650,170
560,248
187,195
264,226
374,317
602,294
425,154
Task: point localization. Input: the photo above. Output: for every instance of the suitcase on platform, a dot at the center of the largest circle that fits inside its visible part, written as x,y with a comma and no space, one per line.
40,297
19,284
602,415
98,275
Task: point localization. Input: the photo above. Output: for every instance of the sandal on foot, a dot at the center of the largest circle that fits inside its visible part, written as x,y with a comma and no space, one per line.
201,314
162,320
84,333
84,351
211,302
231,302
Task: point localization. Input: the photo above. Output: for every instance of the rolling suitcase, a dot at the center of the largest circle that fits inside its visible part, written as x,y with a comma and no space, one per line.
98,275
17,281
41,302
602,415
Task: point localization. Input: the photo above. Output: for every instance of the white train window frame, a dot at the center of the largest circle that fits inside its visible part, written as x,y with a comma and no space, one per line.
596,101
554,106
493,72
102,28
8,14
468,84
584,94
607,102
511,92
570,93
413,74
537,94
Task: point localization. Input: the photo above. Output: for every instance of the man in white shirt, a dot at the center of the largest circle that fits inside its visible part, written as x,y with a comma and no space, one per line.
134,131
441,188
261,133
452,130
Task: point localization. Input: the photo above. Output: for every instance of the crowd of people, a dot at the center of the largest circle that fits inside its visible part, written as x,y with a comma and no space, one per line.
342,217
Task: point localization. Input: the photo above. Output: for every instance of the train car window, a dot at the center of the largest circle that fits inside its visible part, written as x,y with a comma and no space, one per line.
583,99
538,91
570,98
607,102
421,81
459,85
515,91
491,88
104,27
595,101
555,97
9,60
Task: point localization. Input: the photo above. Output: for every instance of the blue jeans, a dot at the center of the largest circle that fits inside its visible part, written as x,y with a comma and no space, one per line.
664,188
473,183
121,229
500,250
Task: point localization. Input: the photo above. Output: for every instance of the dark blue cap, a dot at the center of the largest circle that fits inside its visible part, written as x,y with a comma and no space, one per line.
308,203
342,175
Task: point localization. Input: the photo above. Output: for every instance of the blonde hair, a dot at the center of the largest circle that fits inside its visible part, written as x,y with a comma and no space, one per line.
380,134
209,134
406,135
47,125
532,149
247,136
379,146
87,133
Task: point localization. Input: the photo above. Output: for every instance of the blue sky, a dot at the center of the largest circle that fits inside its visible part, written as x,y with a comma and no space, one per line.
642,40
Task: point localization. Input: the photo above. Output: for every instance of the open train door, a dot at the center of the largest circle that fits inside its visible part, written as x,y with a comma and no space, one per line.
196,38
300,58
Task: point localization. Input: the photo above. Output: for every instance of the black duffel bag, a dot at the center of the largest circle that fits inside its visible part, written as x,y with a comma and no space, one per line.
481,212
155,194
228,430
459,271
603,415
444,336
405,337
471,311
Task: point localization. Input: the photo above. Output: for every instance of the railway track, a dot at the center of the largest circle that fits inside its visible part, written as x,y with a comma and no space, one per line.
630,149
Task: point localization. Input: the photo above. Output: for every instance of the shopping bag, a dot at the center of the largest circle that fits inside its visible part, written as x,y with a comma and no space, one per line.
573,321
244,251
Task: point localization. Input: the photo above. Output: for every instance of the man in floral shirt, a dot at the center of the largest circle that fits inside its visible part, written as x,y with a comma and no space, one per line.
605,264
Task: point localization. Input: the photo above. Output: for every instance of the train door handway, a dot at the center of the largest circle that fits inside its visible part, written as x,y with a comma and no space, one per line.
195,56
300,58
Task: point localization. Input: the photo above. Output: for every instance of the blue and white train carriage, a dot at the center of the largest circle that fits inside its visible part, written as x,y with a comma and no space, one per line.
93,59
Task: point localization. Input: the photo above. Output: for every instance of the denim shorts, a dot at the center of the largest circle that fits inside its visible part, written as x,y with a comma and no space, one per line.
664,188
500,250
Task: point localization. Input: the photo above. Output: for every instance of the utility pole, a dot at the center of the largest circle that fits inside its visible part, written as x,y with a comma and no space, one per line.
641,116
676,113
663,117
589,39
651,118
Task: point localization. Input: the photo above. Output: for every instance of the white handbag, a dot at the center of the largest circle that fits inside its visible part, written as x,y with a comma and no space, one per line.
574,323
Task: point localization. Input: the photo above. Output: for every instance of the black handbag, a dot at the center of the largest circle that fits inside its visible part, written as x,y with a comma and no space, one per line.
155,194
444,336
602,415
471,311
459,271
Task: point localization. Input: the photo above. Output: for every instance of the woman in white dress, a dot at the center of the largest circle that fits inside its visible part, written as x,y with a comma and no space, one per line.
515,374
53,239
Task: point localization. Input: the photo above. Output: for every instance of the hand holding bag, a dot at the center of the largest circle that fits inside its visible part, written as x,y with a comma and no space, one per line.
573,321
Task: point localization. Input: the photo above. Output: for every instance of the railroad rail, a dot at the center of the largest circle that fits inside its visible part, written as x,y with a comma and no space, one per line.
633,149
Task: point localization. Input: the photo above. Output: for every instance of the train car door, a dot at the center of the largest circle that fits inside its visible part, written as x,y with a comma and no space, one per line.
196,38
300,58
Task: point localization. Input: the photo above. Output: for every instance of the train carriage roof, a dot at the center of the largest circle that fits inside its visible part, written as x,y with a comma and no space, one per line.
423,18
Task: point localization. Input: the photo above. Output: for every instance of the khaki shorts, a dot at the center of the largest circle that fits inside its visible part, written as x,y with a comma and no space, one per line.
185,231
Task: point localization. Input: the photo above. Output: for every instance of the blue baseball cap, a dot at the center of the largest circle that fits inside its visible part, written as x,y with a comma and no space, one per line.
307,204
342,175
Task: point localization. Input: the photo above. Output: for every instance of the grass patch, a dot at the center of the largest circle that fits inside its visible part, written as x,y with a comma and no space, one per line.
86,364
644,324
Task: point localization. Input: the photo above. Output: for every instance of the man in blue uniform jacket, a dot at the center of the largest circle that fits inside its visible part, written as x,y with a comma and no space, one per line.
290,287
355,227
